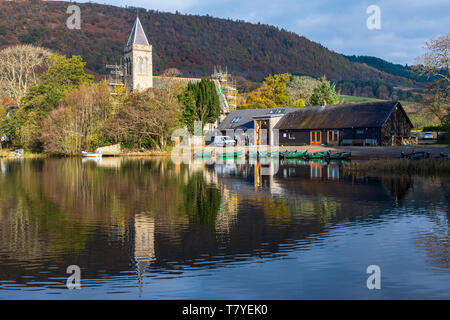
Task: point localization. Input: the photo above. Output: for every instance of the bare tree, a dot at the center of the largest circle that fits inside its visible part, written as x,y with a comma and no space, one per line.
436,63
20,67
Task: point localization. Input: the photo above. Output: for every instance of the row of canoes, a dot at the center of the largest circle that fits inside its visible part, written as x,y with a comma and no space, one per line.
415,155
275,154
316,155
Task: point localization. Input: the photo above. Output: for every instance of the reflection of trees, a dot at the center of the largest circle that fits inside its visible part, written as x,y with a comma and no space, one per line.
201,201
276,211
436,242
398,186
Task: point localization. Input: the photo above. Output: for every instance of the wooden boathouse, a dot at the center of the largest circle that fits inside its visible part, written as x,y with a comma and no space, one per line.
373,123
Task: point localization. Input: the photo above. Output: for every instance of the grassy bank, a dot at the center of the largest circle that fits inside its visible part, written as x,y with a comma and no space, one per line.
401,166
6,153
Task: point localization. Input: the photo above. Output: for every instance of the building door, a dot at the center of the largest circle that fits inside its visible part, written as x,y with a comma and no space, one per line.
315,137
262,132
333,137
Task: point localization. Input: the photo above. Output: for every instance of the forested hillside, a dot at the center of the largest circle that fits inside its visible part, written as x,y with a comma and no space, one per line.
193,44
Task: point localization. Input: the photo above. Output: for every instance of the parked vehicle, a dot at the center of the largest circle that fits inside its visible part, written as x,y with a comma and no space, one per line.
428,136
221,141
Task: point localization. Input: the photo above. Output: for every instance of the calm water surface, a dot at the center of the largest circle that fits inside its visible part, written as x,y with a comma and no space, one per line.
154,229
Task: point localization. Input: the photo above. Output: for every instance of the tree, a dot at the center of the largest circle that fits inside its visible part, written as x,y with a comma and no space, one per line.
147,119
436,63
20,67
62,74
271,94
74,126
299,103
301,87
325,93
188,115
200,102
382,92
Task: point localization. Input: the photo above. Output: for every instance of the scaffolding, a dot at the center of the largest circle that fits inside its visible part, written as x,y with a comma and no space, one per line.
115,77
226,89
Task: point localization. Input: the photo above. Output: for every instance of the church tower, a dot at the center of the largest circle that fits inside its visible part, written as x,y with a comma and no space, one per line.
137,60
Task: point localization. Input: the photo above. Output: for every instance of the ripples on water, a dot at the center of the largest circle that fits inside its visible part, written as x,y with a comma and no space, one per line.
144,228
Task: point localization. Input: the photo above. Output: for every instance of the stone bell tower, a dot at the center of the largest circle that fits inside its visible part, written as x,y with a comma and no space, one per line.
137,60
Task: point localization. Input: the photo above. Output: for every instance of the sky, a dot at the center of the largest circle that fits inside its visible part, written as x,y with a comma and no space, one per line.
339,25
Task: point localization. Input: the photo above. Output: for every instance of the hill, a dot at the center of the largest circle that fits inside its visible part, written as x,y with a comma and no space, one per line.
388,67
193,44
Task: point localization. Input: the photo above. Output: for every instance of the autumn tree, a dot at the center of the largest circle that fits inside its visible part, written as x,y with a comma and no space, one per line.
301,87
324,94
271,94
20,67
62,74
146,120
436,63
75,125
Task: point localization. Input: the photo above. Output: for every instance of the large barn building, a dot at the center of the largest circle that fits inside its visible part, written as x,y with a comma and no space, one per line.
374,123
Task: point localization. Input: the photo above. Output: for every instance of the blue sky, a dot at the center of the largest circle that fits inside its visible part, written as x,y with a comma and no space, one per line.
340,25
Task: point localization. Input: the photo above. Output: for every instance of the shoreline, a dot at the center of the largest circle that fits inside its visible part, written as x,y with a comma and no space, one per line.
358,152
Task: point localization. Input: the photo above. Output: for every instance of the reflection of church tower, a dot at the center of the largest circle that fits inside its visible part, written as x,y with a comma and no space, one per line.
137,60
144,242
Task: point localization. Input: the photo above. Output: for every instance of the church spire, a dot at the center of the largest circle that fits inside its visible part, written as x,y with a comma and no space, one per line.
137,35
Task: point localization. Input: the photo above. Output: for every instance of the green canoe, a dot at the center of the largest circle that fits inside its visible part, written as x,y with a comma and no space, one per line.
203,154
319,154
340,155
287,152
274,154
233,154
297,155
253,154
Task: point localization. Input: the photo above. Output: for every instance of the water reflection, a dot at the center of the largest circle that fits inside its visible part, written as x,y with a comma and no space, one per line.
152,217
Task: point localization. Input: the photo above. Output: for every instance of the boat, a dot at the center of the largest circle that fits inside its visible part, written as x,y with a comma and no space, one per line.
86,154
319,154
232,154
340,155
264,154
415,155
253,154
287,152
274,154
297,155
203,154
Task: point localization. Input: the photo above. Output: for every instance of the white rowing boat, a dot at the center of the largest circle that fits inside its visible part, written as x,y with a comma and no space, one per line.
85,154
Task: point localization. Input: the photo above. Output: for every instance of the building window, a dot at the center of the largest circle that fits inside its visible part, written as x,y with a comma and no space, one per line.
291,136
333,136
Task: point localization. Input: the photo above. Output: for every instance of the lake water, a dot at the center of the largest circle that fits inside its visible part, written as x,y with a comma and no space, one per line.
155,229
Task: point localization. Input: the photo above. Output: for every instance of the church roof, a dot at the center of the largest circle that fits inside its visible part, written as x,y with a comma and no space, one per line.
137,35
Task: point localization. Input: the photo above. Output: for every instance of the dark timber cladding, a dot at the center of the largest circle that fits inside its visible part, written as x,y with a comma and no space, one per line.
374,123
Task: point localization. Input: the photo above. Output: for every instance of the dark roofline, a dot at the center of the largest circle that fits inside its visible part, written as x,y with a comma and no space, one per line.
397,103
361,115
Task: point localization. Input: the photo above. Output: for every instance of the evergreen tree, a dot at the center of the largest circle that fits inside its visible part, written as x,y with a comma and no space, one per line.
200,102
324,93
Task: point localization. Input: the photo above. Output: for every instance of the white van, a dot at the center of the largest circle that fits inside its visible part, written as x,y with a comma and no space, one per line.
220,141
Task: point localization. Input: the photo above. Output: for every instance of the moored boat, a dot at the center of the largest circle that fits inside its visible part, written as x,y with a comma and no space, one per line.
232,154
86,154
319,154
415,155
297,155
205,154
340,155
